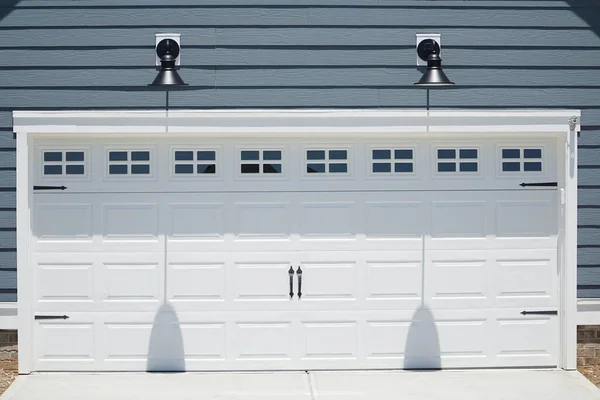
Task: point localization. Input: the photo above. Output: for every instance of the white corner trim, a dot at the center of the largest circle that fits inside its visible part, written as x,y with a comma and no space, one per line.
276,122
568,252
24,284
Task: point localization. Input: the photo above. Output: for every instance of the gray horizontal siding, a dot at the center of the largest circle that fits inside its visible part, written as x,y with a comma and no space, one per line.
237,77
340,3
293,57
292,36
304,53
294,16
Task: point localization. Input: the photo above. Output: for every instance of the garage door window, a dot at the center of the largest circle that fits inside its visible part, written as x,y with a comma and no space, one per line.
57,162
326,161
128,162
257,162
522,160
457,160
195,162
392,161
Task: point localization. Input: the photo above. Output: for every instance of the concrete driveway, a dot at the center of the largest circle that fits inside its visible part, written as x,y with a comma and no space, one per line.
447,385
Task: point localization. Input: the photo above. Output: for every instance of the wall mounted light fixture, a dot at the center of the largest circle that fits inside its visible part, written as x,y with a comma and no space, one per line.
167,51
429,50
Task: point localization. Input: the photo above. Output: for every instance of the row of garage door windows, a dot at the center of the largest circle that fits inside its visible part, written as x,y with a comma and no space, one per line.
316,161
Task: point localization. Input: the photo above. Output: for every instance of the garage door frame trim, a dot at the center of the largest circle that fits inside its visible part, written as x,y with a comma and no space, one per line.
564,124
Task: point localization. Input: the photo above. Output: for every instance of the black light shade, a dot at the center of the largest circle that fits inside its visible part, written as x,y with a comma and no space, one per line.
168,76
434,75
167,50
429,50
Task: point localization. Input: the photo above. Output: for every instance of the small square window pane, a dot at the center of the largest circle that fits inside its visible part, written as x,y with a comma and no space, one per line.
338,168
511,153
184,155
140,156
382,155
404,154
468,167
446,167
271,155
315,168
271,168
117,169
511,166
532,153
184,168
250,155
446,153
52,169
206,168
52,156
532,166
74,169
338,154
117,156
140,169
468,153
403,167
382,167
250,168
206,155
74,156
315,155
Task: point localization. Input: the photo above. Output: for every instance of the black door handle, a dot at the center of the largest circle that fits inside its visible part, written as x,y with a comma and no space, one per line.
299,272
291,275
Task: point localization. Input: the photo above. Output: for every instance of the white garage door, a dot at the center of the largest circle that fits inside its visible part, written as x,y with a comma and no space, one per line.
256,255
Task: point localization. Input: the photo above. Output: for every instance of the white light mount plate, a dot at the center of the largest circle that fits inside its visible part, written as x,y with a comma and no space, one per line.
423,36
174,36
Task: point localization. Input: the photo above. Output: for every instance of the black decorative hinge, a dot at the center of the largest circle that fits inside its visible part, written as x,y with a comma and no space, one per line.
49,187
539,312
539,184
51,317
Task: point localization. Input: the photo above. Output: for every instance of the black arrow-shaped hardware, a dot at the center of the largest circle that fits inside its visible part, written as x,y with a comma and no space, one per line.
539,184
299,272
291,275
51,317
49,187
539,312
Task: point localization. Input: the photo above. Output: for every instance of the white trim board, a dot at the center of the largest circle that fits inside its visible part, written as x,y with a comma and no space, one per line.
564,124
305,122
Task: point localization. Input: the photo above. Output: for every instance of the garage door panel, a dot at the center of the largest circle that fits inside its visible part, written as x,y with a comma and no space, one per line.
200,221
263,340
98,282
526,340
457,280
394,219
526,278
526,218
198,283
329,281
263,220
261,282
458,219
490,279
327,220
397,281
